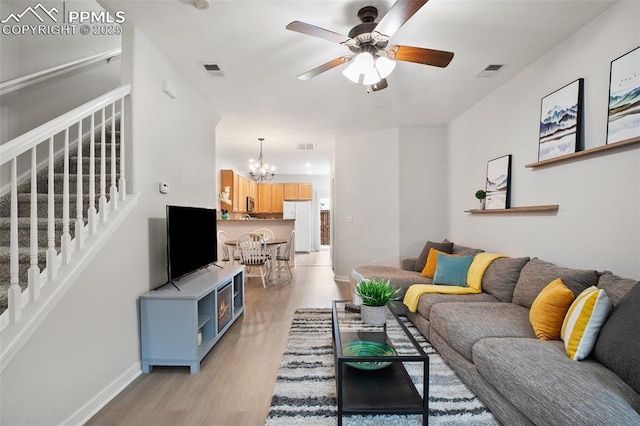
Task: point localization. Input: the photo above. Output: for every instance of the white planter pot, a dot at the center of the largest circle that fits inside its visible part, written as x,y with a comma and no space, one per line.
482,204
374,315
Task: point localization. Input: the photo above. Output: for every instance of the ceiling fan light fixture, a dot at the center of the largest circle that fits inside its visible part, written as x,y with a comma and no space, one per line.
352,73
385,66
371,77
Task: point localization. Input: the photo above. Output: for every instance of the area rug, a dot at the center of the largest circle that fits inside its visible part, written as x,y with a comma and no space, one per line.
305,390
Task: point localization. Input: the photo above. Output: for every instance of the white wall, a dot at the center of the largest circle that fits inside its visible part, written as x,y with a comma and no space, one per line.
598,223
89,346
423,188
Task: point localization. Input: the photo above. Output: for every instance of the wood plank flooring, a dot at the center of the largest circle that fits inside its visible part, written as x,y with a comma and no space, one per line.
236,379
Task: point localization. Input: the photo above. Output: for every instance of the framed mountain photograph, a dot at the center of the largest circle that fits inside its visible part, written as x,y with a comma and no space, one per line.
624,98
498,183
561,122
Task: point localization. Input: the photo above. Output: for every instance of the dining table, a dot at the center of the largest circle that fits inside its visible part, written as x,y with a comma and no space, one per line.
272,245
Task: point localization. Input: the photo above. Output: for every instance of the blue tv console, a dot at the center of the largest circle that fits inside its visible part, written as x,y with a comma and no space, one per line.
179,327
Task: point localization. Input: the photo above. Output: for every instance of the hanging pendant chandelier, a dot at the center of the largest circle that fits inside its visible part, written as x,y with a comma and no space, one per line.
258,170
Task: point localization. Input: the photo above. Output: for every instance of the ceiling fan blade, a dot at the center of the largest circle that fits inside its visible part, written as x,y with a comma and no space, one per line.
400,12
382,84
420,55
312,30
324,67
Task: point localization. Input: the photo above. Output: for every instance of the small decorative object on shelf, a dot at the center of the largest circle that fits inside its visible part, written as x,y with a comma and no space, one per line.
498,183
375,295
225,214
481,195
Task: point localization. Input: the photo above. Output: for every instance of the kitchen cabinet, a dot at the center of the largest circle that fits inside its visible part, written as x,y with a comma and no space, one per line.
240,188
264,198
277,197
297,191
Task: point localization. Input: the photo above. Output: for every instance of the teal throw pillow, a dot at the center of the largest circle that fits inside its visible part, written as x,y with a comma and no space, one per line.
452,270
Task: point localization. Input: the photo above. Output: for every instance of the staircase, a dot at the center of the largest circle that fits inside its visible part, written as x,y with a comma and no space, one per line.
42,197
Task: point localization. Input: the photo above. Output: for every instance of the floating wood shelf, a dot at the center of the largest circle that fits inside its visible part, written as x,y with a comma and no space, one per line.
525,209
586,152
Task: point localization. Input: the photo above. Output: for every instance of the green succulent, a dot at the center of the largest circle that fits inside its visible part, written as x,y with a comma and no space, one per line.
376,293
481,194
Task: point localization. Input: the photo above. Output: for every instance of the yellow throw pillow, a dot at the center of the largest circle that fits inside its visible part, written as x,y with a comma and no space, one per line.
584,321
549,309
432,262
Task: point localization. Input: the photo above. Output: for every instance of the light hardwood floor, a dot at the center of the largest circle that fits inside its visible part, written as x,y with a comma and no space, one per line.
236,379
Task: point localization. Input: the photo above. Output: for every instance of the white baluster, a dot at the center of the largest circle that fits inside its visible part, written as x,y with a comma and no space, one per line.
52,264
79,214
102,203
113,200
65,239
122,183
14,293
92,213
34,271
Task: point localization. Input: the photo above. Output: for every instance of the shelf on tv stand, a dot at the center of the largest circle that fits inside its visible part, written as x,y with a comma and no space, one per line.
171,319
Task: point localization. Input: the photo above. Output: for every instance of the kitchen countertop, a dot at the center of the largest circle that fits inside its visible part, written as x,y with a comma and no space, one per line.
255,220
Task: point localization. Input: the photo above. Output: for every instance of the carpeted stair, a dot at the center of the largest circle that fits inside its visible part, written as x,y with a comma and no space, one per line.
24,208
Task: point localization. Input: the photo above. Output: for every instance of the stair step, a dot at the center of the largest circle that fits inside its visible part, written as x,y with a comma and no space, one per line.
24,231
24,205
24,262
73,164
58,182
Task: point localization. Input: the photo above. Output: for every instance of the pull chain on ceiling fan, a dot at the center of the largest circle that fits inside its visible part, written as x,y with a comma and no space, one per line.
372,59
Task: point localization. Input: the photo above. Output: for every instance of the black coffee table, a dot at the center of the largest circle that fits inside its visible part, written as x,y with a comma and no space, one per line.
369,387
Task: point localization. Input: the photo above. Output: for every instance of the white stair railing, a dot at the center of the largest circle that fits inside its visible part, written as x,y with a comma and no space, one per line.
29,143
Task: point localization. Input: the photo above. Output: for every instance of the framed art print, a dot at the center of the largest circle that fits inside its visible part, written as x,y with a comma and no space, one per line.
561,122
498,183
624,98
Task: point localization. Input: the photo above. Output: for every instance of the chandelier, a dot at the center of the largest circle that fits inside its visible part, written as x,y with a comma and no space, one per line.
260,171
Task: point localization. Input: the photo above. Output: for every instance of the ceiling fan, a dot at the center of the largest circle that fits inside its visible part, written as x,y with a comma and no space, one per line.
373,59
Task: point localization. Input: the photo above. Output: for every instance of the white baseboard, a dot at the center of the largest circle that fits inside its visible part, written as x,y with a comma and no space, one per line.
86,412
341,278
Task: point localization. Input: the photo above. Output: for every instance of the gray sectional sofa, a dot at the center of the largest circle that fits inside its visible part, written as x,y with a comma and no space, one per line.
487,338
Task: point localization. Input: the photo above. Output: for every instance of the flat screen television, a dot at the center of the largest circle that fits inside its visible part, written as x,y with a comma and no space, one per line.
191,240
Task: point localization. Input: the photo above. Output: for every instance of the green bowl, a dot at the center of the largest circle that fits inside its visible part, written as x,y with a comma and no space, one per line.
367,348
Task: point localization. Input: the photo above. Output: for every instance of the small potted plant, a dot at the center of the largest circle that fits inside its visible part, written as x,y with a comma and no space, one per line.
375,295
481,195
225,214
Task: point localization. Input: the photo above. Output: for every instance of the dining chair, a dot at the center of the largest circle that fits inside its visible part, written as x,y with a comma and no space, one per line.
224,249
254,253
266,233
284,254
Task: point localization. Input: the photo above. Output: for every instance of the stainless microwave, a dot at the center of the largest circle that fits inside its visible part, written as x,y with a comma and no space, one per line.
251,204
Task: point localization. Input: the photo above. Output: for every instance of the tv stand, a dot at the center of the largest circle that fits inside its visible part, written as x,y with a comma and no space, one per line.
179,326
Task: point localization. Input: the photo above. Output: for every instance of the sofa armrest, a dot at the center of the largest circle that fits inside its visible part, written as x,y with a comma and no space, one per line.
408,264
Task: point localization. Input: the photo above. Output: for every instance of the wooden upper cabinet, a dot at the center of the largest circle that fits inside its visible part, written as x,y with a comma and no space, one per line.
239,187
277,197
297,191
304,191
264,198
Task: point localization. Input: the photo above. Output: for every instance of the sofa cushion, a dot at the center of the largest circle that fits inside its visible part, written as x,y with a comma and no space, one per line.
422,258
432,263
452,270
536,274
584,321
428,301
501,277
549,309
463,324
398,277
463,250
615,286
539,379
618,345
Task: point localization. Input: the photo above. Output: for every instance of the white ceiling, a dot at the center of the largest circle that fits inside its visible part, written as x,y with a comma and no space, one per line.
260,96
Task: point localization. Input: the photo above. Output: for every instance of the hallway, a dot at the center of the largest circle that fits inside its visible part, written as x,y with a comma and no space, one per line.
236,379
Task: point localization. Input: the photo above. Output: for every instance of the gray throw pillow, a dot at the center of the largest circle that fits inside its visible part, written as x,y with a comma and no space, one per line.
614,286
501,277
537,274
422,259
618,344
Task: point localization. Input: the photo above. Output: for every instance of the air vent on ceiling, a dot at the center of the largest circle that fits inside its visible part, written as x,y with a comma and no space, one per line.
213,70
490,70
307,146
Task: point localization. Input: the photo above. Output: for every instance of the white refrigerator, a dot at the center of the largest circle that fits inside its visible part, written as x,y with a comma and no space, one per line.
301,212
